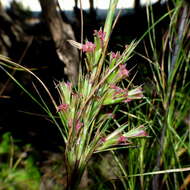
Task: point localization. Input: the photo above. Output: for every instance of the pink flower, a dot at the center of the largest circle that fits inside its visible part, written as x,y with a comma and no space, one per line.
136,93
122,139
70,123
117,89
69,85
101,34
123,71
127,100
126,46
115,55
88,47
140,133
103,140
119,92
62,107
79,125
111,115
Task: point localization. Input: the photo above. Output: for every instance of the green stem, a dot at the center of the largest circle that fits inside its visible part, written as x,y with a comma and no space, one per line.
107,29
109,19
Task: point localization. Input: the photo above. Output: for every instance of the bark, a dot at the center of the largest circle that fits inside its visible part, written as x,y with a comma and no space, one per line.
76,3
137,5
11,33
61,32
92,10
91,2
12,44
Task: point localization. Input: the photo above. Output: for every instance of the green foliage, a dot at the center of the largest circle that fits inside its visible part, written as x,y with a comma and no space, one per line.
17,169
168,95
5,143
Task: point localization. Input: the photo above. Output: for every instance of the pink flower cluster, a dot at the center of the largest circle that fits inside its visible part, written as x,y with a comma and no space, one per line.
88,47
62,107
115,55
117,89
137,93
140,133
123,72
119,92
122,139
79,125
125,94
101,34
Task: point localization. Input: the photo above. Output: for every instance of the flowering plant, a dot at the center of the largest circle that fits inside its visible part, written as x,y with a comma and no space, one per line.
82,108
84,122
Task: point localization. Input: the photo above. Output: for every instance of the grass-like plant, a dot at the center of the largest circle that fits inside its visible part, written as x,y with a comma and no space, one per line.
163,160
87,112
170,67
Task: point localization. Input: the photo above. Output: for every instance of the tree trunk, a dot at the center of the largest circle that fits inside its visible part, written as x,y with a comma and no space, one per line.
61,32
91,2
137,5
11,32
76,4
